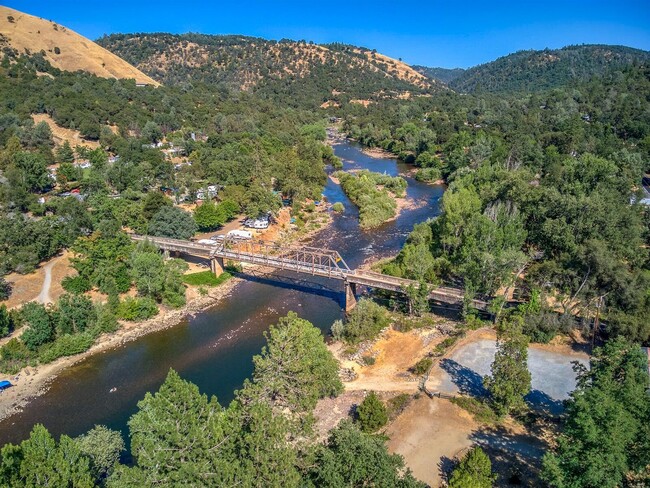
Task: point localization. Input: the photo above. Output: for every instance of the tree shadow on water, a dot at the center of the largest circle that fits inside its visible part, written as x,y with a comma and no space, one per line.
468,381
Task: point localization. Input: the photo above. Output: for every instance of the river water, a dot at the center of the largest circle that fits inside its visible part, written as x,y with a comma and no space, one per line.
214,350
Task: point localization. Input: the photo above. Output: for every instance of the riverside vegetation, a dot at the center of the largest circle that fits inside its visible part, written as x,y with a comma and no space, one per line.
543,173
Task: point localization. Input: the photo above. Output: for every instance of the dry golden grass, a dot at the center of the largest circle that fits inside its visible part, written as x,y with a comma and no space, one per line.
61,134
27,33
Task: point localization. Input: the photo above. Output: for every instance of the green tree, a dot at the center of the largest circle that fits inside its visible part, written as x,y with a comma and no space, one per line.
154,201
65,154
7,321
147,271
352,458
151,132
510,380
365,321
209,216
606,434
75,313
103,447
180,437
473,471
40,329
295,368
40,461
372,413
172,222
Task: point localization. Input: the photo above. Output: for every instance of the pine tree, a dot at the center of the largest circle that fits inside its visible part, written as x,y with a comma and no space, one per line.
474,471
510,380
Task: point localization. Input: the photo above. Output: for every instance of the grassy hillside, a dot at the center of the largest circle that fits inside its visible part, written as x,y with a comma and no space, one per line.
63,48
530,71
446,75
291,70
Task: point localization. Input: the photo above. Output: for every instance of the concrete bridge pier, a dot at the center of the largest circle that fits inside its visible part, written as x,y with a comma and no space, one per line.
216,265
350,295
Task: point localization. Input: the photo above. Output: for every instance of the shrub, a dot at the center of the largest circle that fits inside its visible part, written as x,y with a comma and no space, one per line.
338,330
481,411
398,404
7,321
422,366
5,289
338,207
365,321
372,413
67,345
428,175
137,309
368,360
14,356
76,284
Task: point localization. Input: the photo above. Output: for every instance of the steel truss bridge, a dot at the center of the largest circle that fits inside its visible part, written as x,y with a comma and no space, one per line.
300,259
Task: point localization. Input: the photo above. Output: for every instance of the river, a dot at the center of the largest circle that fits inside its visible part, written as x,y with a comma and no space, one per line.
214,350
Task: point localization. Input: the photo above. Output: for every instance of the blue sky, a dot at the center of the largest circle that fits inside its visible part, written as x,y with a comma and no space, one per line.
433,33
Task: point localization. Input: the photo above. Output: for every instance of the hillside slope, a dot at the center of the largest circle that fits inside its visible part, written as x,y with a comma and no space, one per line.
276,67
63,48
446,75
529,71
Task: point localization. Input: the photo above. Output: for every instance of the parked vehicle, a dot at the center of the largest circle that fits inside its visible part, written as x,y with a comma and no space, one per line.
240,234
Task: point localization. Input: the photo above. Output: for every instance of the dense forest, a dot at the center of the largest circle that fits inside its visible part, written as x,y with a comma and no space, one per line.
533,71
542,210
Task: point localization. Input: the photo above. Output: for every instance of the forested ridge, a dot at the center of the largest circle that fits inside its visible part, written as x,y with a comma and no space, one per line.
532,71
542,198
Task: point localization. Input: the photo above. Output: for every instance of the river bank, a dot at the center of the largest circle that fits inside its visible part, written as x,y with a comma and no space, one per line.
32,382
214,347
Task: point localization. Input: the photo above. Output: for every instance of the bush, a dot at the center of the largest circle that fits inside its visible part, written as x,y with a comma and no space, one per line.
398,404
67,345
371,413
7,321
5,289
338,207
338,330
481,411
76,284
422,366
137,309
365,321
428,175
14,356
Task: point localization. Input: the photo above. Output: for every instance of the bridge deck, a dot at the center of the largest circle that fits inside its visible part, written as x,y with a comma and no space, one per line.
317,262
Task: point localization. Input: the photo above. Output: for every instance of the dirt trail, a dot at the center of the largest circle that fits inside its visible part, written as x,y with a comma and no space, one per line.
44,296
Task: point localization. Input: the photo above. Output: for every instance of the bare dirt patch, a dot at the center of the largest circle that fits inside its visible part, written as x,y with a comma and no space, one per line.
430,433
28,287
61,134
